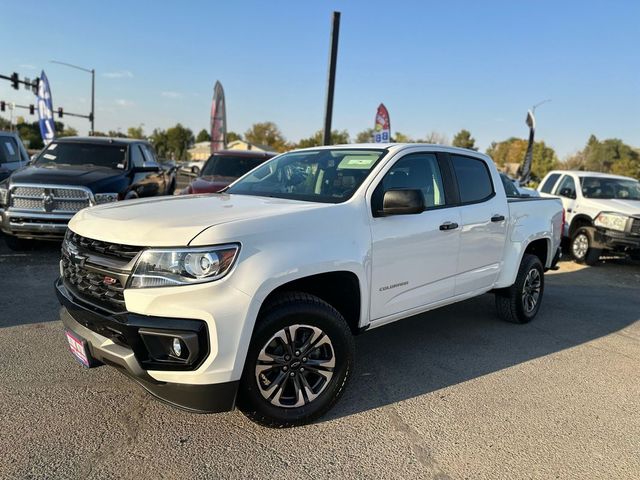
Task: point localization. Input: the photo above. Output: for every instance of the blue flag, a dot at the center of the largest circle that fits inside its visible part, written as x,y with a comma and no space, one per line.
45,110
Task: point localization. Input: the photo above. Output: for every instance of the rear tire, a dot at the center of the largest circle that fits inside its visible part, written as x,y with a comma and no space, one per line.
521,302
298,363
582,249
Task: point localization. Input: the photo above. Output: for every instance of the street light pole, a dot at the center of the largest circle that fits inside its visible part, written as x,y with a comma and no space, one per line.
93,88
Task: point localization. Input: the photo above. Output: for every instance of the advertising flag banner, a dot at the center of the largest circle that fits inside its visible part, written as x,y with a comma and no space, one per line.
45,110
525,170
382,128
218,120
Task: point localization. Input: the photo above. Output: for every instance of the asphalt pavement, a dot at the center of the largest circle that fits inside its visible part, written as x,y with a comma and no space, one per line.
454,393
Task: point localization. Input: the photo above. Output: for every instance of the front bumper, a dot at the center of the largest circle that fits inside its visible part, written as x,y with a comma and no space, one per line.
615,240
118,340
45,226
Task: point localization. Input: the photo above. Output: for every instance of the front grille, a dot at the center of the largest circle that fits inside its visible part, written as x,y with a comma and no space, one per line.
92,286
125,252
635,226
49,199
90,272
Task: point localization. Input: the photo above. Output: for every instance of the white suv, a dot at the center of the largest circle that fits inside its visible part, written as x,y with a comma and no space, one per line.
602,212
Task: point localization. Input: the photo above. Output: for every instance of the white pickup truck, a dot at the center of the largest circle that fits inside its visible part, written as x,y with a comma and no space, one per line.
602,212
251,297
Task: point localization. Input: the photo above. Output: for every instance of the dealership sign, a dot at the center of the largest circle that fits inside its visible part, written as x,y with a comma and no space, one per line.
45,110
218,120
382,128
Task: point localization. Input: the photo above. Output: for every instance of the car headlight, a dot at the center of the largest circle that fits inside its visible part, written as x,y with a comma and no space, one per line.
4,195
612,221
105,197
183,266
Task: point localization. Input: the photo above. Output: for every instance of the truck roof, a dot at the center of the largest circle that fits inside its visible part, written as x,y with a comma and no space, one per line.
402,146
587,173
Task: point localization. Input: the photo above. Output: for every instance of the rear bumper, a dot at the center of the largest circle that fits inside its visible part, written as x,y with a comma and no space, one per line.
615,240
34,225
116,341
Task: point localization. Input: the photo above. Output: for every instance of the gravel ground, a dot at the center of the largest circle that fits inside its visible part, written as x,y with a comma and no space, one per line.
450,394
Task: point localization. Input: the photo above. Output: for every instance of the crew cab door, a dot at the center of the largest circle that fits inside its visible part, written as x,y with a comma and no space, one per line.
484,213
414,257
568,193
147,178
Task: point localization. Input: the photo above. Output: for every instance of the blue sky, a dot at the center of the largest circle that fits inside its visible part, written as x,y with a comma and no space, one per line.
437,66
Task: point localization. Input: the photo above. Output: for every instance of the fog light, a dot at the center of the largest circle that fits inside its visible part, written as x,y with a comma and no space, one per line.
176,345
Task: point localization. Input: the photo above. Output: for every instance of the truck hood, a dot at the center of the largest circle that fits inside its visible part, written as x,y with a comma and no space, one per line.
63,175
175,221
627,207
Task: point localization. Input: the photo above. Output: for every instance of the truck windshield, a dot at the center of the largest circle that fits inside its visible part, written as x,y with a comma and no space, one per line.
607,188
83,154
328,175
229,166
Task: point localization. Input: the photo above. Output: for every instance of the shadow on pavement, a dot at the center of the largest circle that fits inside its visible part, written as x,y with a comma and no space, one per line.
464,341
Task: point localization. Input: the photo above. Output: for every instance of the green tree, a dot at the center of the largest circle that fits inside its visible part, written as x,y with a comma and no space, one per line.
203,136
266,133
365,136
116,134
337,138
463,139
135,132
179,140
610,156
513,150
233,136
435,138
401,138
160,142
68,132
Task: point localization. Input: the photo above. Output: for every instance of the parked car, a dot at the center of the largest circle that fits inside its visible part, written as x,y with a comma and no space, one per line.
192,166
73,173
12,154
602,212
252,296
223,168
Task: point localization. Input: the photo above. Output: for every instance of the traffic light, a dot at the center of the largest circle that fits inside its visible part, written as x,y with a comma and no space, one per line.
3,106
32,109
35,86
60,112
15,81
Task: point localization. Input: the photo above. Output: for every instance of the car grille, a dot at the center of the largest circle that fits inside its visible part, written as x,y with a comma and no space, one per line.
91,287
635,226
97,271
49,199
125,252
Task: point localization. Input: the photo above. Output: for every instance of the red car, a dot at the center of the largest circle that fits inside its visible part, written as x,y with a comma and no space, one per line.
223,168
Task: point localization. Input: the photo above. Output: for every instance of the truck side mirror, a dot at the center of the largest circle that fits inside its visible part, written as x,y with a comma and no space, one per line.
402,202
567,192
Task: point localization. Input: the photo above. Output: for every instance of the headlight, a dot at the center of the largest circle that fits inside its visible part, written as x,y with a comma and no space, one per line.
4,195
185,266
105,197
612,221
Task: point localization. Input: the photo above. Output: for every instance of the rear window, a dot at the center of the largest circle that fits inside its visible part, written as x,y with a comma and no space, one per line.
230,166
548,184
9,151
474,181
83,154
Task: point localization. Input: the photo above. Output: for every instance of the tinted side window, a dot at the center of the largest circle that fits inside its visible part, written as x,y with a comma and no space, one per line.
9,151
549,183
418,171
148,153
567,187
474,180
137,159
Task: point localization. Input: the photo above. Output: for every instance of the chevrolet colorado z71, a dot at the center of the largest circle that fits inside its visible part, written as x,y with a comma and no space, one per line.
602,212
251,297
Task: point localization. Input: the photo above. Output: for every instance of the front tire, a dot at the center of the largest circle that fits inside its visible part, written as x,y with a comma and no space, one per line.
582,249
521,302
298,363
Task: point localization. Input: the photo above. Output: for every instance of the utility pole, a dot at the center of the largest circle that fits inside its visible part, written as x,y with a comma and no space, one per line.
331,81
92,71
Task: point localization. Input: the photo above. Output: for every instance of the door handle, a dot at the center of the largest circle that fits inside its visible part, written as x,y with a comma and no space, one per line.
448,226
569,210
497,218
